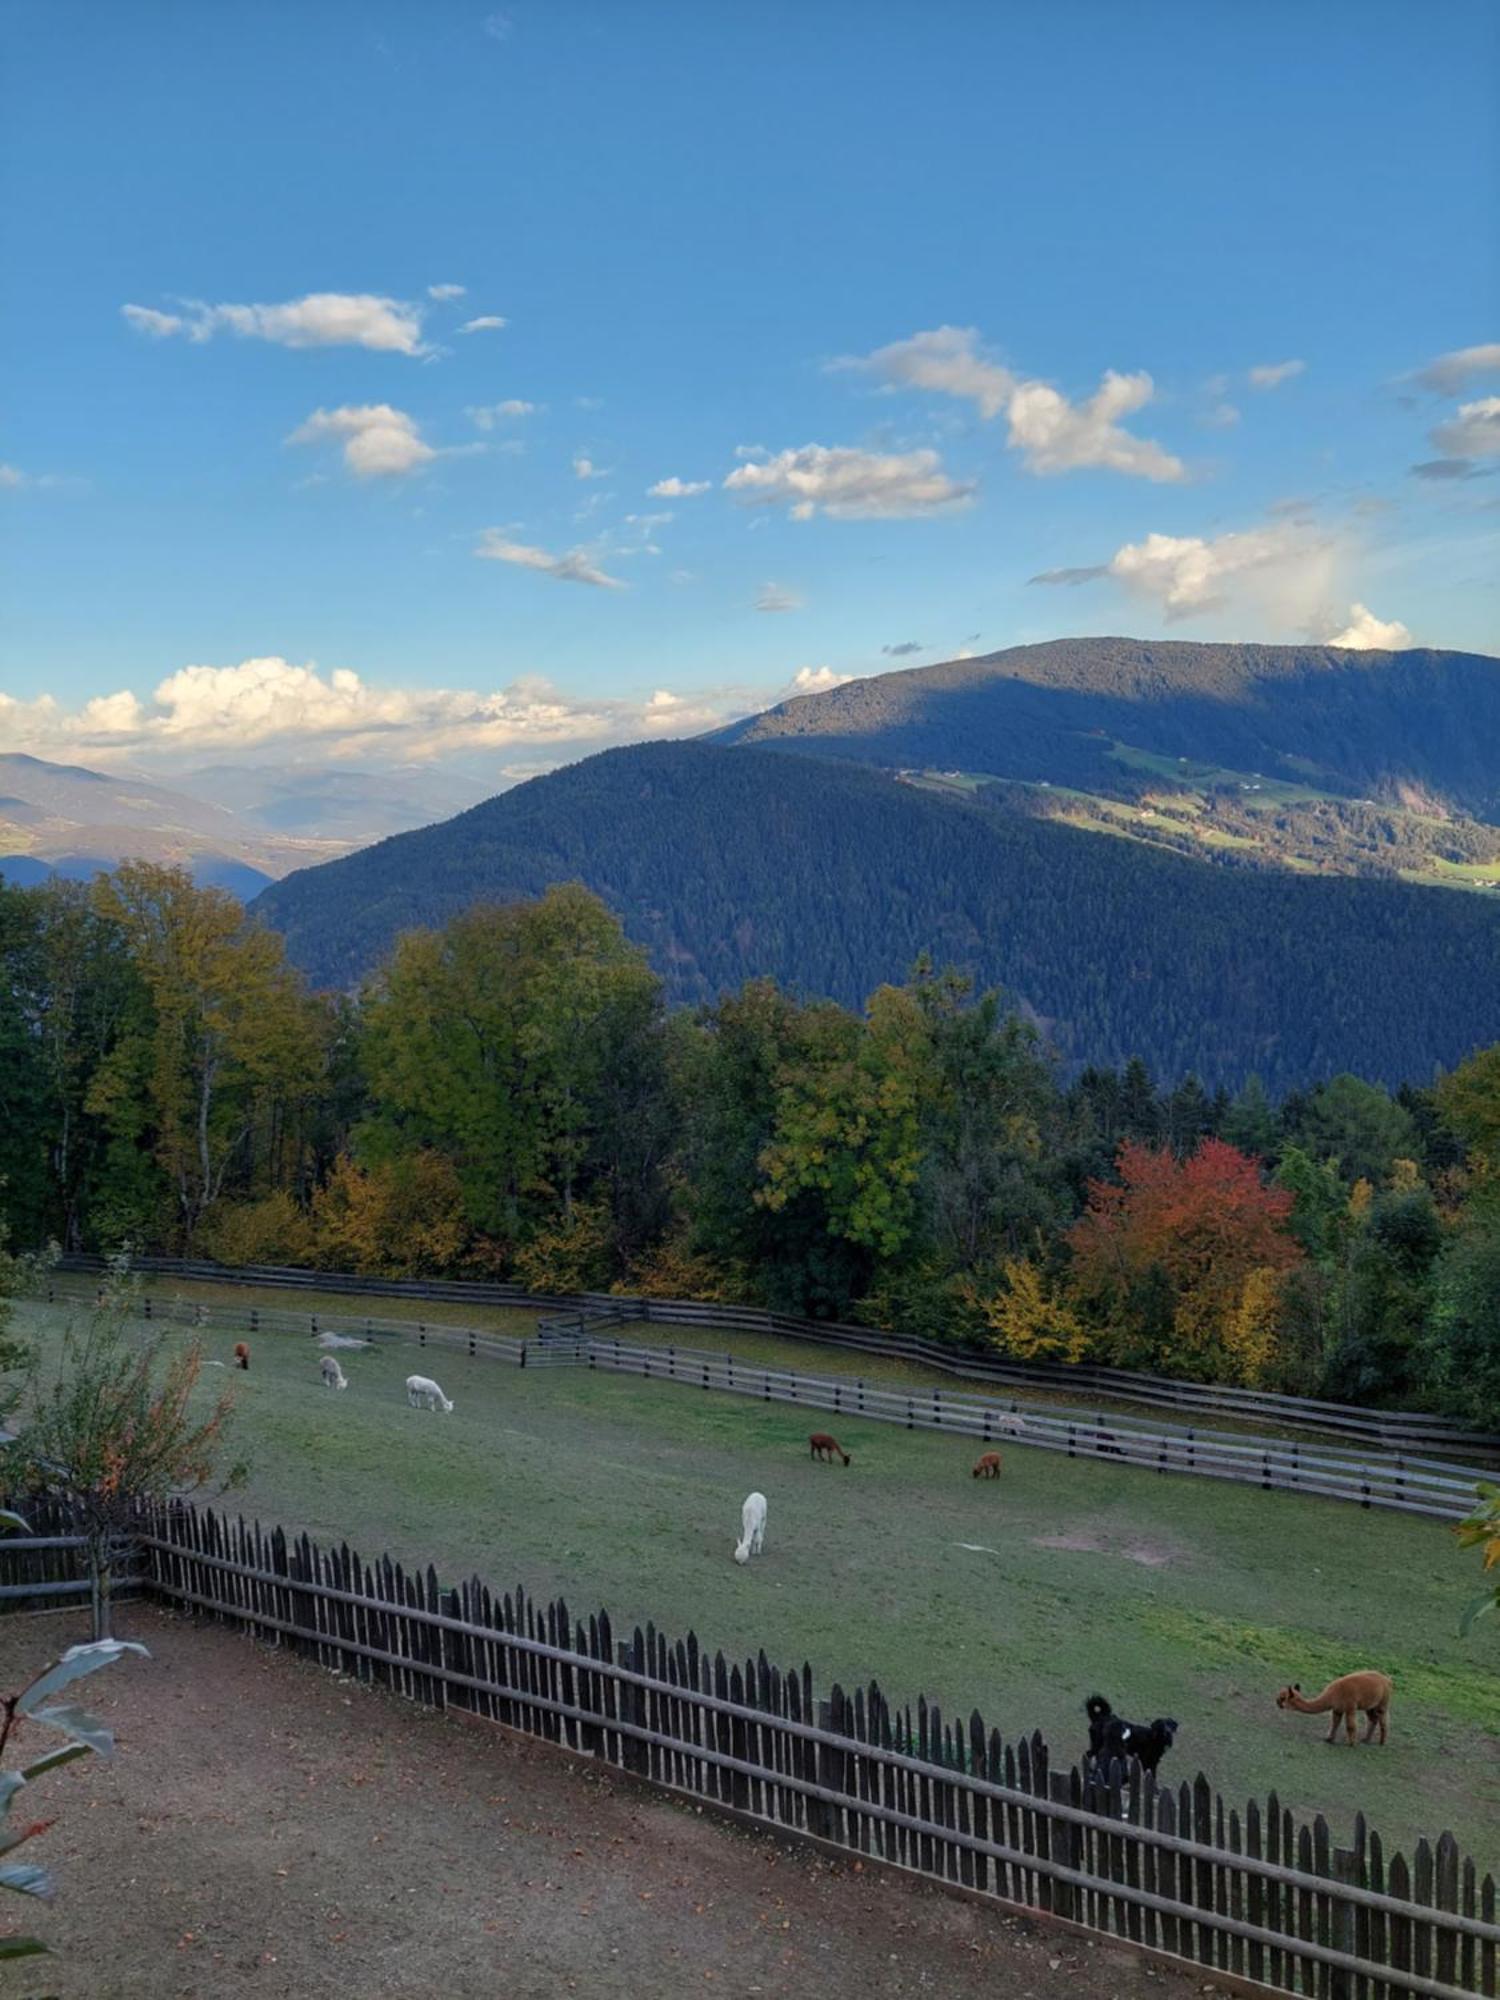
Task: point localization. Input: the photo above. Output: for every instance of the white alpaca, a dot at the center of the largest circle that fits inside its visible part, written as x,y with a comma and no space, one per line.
753,1527
333,1376
340,1340
1012,1421
424,1394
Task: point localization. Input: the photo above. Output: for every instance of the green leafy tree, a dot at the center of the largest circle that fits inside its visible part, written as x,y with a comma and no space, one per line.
1357,1126
513,1041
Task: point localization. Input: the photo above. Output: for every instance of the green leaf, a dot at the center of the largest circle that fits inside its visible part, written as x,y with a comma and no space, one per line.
27,1880
23,1947
12,1782
63,1754
1476,1608
76,1722
17,1522
77,1661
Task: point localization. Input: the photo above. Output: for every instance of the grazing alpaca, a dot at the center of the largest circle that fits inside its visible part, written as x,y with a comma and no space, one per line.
1113,1739
752,1528
424,1394
1351,1695
824,1446
987,1465
1012,1421
242,1354
333,1376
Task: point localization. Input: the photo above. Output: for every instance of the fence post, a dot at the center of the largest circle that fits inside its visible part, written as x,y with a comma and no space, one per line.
1346,1871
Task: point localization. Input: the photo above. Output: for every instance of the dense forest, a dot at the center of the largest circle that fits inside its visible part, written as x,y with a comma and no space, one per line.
730,865
1383,725
511,1094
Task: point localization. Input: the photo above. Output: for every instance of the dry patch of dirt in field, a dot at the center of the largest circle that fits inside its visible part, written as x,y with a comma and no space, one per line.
1151,1555
270,1832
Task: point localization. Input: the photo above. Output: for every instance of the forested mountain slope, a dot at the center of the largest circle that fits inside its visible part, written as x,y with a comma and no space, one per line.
728,863
1400,727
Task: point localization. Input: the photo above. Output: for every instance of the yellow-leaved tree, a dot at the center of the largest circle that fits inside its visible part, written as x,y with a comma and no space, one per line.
1024,1317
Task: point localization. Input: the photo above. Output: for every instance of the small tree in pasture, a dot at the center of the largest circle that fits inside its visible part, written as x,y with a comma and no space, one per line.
116,1429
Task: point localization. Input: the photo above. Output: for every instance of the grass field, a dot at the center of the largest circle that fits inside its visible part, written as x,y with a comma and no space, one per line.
1171,1596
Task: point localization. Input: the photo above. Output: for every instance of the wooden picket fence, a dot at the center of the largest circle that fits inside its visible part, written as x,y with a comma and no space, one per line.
1394,1430
1252,1891
592,1338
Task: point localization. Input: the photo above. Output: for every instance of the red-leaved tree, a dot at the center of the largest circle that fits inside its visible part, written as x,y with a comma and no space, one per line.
1180,1259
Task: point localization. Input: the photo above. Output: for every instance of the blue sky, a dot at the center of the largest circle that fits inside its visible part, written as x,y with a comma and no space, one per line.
930,300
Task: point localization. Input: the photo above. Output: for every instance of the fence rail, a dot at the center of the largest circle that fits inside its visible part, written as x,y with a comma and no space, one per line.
592,1339
1398,1430
1256,1892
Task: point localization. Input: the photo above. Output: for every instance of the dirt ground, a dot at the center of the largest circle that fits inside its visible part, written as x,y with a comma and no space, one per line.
267,1829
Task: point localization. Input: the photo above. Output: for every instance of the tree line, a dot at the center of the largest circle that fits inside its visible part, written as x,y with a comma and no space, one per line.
510,1096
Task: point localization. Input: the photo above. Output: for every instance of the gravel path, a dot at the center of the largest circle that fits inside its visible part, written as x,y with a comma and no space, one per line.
269,1830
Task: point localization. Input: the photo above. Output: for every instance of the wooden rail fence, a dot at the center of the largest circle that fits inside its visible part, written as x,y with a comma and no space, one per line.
591,1338
1398,1430
1254,1891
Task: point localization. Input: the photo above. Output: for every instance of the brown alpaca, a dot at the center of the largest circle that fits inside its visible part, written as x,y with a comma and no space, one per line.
824,1446
987,1465
242,1354
1351,1695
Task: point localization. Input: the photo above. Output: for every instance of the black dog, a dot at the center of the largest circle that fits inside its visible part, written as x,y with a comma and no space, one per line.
1111,1738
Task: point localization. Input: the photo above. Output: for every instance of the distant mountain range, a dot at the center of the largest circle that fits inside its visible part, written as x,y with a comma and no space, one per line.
61,819
728,862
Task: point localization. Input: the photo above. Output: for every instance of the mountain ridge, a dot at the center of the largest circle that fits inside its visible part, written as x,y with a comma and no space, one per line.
725,863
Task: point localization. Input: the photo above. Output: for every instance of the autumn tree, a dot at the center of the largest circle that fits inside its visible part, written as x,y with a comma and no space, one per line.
1177,1242
229,1031
1024,1315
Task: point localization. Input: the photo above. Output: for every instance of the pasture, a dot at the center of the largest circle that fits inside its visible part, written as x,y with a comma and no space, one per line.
1019,1597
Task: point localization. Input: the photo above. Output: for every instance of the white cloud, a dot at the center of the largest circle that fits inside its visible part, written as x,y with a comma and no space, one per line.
443,293
947,360
1058,436
1052,433
1221,416
497,27
488,415
1365,632
12,476
1271,374
678,489
1282,575
1450,373
1473,433
816,680
321,319
486,323
572,567
585,468
146,320
776,597
379,441
1190,574
850,485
